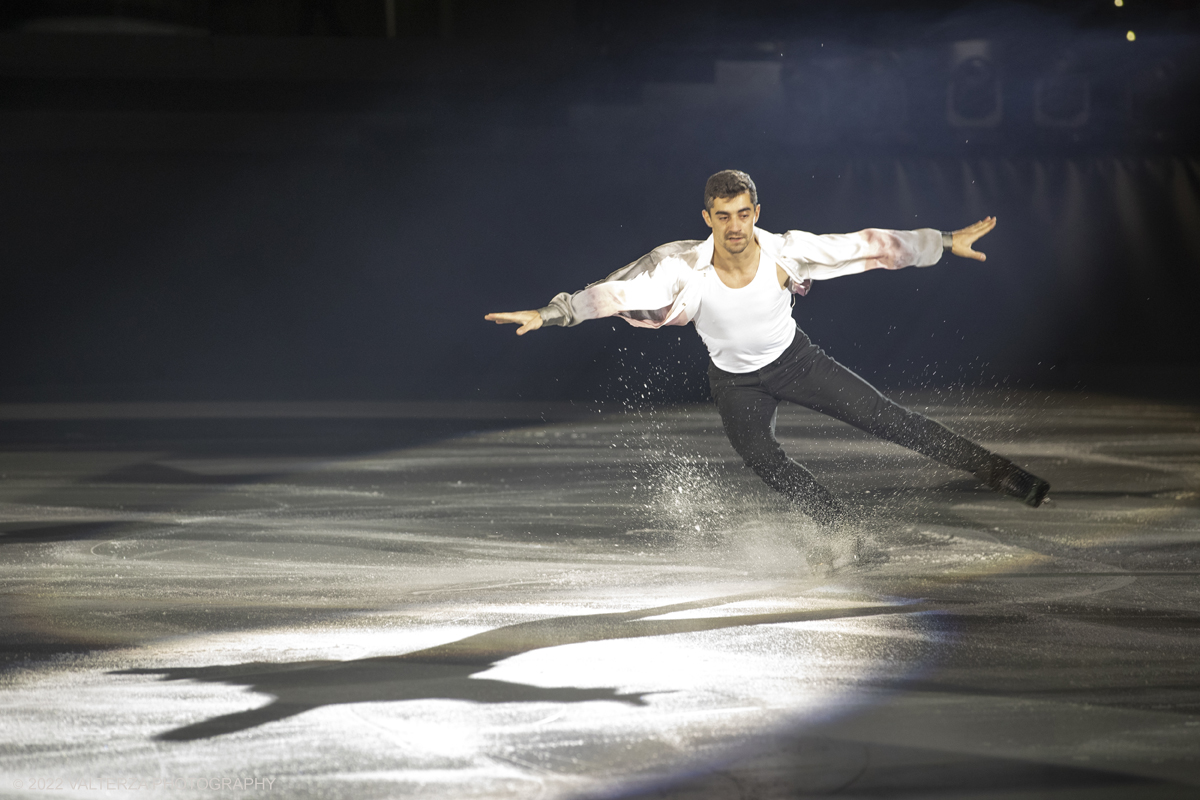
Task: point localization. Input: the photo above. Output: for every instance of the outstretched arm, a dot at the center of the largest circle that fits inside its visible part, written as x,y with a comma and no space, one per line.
528,320
963,238
645,293
834,255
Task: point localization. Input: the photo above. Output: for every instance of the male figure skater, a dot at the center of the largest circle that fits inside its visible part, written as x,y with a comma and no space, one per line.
736,287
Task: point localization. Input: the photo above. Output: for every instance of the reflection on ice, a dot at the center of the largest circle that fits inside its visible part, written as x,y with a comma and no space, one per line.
559,694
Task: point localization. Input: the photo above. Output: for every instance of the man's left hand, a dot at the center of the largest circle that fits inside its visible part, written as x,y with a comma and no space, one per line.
964,238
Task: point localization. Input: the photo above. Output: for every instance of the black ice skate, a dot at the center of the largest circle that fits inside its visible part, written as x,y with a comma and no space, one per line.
1007,478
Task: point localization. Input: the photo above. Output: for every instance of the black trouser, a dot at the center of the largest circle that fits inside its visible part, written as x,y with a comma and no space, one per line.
806,376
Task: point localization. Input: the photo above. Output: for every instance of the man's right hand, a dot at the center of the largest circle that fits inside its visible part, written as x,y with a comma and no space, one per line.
528,320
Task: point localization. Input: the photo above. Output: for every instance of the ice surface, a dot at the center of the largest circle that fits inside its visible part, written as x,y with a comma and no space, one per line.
602,605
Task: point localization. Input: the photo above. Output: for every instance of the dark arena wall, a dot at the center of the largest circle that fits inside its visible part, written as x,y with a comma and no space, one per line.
298,205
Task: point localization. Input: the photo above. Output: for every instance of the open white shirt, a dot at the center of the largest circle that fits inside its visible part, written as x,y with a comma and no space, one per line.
663,286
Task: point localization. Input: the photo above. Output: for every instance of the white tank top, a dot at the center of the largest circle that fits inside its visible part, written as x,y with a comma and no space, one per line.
745,329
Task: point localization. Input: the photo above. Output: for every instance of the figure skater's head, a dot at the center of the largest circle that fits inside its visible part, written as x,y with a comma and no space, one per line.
731,209
726,184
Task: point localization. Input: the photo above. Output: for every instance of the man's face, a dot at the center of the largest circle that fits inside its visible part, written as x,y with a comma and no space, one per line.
732,221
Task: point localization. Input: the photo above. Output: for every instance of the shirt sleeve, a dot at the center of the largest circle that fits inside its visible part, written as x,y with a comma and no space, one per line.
643,291
822,257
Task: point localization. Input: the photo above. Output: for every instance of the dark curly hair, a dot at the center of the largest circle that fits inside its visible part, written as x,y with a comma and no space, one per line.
729,183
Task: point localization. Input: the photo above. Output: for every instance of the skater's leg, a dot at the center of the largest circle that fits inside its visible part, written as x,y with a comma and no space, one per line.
748,416
825,385
839,392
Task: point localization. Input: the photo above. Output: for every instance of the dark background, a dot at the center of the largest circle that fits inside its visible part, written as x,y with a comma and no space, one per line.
240,199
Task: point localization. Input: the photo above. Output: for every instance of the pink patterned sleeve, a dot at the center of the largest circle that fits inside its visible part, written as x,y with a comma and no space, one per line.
822,257
643,294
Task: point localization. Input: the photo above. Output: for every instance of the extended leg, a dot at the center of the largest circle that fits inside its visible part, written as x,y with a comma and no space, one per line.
822,384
